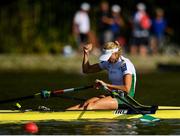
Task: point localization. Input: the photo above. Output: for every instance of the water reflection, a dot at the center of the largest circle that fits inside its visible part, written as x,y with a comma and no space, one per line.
105,127
97,127
164,127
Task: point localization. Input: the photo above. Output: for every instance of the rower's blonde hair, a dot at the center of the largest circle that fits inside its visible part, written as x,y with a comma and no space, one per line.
113,45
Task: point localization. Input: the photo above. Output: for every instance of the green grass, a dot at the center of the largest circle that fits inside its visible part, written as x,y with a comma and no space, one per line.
46,62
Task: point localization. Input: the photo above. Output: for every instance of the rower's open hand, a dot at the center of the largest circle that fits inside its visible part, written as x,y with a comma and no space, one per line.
87,48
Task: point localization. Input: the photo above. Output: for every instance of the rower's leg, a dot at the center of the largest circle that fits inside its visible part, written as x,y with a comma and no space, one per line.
104,103
76,107
94,99
84,105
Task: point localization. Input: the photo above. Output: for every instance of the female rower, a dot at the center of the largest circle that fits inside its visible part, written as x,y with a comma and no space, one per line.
121,73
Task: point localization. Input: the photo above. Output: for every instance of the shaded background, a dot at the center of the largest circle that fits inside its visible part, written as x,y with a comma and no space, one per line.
37,26
44,26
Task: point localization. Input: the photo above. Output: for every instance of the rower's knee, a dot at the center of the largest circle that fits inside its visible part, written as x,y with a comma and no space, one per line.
90,106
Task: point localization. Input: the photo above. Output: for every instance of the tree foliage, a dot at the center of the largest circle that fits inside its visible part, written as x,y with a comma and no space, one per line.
35,26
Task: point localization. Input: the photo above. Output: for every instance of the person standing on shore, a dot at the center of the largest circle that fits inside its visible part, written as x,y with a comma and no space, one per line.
81,25
140,32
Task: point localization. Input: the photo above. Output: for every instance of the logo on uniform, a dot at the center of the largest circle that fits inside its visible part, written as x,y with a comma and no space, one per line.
123,66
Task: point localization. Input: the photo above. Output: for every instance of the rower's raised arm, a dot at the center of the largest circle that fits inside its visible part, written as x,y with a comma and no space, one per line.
86,67
91,68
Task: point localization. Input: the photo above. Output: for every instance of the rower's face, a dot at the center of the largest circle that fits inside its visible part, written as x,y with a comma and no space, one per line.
114,58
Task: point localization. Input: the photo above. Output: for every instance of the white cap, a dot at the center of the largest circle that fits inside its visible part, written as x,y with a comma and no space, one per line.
141,6
116,8
85,6
107,54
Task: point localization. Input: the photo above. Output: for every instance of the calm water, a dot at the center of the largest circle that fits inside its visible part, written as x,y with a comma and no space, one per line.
154,88
105,127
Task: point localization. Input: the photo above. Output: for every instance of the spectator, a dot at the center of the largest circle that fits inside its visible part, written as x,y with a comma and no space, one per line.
159,26
81,24
140,31
116,22
103,23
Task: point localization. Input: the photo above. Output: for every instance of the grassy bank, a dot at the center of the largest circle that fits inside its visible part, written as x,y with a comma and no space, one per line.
16,62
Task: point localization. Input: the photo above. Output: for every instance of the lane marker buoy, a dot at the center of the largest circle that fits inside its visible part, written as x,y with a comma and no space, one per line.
31,127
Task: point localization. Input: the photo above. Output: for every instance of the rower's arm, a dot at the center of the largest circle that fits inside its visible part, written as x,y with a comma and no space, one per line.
87,68
127,79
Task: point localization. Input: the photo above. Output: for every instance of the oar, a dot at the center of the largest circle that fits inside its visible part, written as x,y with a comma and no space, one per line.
145,117
46,94
71,89
135,102
20,98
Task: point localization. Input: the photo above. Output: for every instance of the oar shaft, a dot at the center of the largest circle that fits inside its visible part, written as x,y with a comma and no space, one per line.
19,99
71,89
53,92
